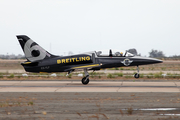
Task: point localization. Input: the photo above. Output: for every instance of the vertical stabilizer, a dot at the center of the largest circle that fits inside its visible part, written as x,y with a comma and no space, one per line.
33,52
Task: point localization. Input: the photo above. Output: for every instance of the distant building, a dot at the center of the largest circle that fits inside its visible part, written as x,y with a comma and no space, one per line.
12,56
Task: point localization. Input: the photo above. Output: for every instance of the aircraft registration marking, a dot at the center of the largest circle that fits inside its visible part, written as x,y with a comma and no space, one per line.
45,67
76,59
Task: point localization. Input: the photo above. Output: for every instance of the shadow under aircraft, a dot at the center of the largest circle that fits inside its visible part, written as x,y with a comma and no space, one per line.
39,60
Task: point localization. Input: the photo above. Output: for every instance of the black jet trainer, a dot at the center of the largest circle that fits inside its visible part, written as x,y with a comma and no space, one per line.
39,60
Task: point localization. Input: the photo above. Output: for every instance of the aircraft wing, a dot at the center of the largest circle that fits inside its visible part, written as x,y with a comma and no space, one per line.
90,66
83,66
87,66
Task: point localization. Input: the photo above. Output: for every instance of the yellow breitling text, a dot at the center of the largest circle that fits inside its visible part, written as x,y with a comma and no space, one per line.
70,60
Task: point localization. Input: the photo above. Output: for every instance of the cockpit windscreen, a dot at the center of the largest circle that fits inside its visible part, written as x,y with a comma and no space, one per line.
113,53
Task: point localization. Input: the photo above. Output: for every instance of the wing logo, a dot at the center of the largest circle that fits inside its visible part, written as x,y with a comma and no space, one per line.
126,62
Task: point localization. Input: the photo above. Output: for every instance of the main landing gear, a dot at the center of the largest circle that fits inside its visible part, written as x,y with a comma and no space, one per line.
85,80
137,74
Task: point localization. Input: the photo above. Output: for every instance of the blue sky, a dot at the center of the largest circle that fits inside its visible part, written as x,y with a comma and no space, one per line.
60,26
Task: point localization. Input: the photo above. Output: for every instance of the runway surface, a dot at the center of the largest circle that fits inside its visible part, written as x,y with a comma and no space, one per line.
99,100
89,106
93,86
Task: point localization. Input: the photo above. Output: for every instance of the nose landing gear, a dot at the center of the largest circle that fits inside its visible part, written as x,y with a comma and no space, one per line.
137,74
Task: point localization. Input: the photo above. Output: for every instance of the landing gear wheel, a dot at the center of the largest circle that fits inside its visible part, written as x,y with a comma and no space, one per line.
136,75
85,80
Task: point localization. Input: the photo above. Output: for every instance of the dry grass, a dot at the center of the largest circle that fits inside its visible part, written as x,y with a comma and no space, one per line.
11,64
15,102
130,111
121,112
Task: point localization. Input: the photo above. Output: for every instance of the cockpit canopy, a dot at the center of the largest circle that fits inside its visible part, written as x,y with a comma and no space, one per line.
113,53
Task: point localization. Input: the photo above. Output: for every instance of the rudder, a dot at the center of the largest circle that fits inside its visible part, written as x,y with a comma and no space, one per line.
33,52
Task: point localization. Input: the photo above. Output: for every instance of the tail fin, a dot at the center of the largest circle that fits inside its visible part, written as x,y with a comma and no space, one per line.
33,52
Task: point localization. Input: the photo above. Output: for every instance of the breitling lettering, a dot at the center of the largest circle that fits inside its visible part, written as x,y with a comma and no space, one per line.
76,59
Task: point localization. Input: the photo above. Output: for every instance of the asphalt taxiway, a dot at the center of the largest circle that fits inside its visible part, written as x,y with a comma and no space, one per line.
89,105
93,86
99,100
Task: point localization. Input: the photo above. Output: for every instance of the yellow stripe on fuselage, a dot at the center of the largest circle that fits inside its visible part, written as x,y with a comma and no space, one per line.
27,63
43,72
86,66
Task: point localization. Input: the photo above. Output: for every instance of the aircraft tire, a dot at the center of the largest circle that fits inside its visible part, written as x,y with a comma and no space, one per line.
85,81
136,75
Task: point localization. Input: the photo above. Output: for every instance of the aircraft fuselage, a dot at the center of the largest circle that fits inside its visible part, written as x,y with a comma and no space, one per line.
67,63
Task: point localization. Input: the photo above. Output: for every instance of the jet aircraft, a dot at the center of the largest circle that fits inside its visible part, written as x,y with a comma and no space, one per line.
39,60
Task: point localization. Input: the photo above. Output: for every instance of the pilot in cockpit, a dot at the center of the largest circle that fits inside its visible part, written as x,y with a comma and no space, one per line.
119,54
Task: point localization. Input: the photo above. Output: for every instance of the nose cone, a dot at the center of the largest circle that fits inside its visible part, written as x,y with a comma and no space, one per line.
159,61
153,60
146,60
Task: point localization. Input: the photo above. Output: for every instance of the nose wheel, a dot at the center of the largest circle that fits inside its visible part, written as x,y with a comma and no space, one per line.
85,80
137,74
